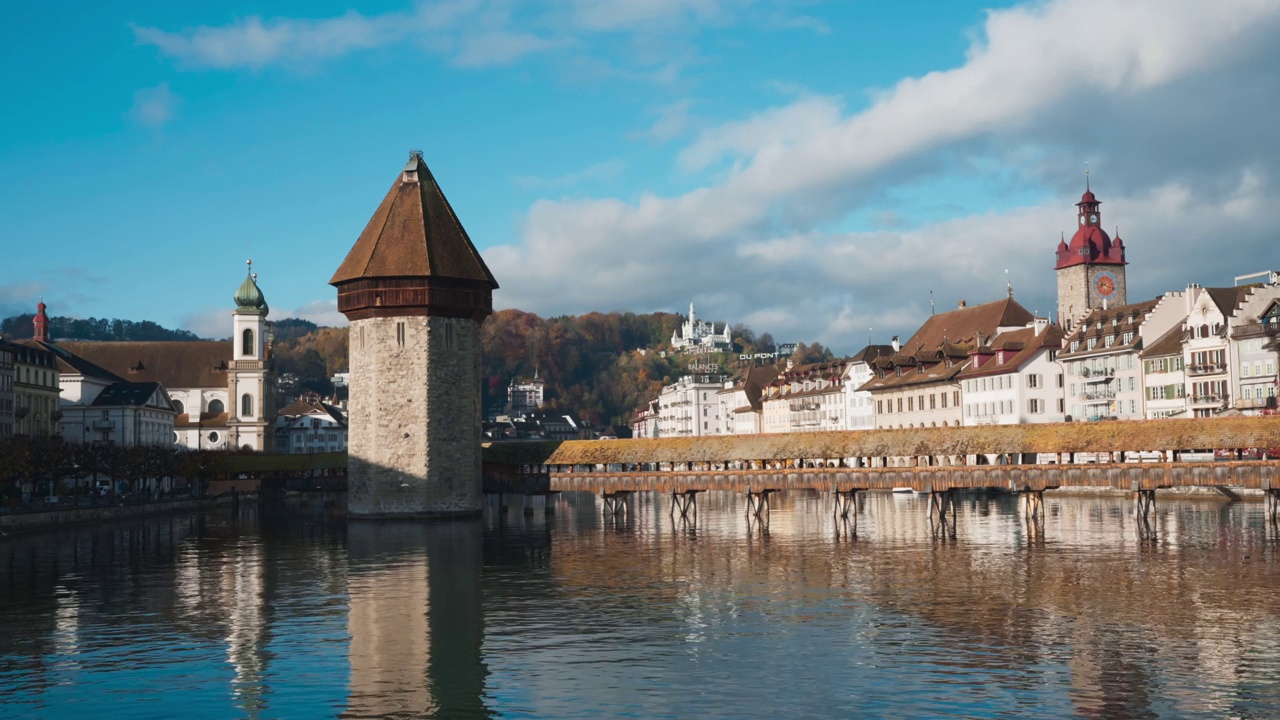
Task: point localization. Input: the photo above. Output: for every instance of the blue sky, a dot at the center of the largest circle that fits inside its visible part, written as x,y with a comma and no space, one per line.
813,169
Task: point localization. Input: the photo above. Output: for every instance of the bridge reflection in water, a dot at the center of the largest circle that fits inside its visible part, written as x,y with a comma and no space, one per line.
1186,626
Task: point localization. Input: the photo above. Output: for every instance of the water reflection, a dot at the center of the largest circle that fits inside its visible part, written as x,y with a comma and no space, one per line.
290,612
416,620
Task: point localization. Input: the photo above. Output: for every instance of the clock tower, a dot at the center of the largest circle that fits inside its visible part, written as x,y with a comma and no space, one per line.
1090,267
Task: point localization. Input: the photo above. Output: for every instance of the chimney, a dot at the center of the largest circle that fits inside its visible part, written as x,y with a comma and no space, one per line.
1041,324
896,347
963,304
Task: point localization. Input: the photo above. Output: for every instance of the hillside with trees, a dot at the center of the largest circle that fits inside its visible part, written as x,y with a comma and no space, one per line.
599,366
20,327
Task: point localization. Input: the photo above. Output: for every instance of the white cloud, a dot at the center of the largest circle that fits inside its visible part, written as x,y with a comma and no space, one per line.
672,121
19,298
1034,95
153,107
607,170
321,312
215,323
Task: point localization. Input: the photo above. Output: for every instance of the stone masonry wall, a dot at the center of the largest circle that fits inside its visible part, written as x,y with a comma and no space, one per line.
414,435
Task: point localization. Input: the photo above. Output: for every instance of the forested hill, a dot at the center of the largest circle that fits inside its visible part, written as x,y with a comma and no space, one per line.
600,366
19,327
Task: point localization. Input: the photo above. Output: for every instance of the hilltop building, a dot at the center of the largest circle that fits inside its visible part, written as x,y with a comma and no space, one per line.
701,336
415,291
525,396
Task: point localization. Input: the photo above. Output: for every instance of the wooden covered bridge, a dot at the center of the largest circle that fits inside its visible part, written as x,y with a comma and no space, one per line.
1138,456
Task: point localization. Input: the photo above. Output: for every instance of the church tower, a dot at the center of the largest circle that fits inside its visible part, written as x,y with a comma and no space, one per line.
252,399
1090,268
416,291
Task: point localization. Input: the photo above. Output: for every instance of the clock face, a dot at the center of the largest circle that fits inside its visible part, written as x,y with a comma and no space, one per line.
1081,219
1093,219
1105,284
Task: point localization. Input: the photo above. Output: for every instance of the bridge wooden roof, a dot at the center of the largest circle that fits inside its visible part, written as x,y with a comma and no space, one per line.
1142,435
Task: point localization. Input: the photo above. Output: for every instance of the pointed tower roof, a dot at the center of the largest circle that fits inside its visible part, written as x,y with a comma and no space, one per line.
249,298
414,233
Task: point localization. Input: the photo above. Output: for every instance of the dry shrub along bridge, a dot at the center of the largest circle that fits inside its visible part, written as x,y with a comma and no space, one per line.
1135,456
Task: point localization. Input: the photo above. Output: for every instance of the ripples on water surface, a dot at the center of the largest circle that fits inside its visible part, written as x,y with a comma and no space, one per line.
291,613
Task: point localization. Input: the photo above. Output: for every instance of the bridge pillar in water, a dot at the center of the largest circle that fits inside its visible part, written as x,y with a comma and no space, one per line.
942,513
686,504
1144,511
416,291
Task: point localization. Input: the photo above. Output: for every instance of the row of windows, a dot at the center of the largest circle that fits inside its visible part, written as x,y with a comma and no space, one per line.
1108,341
1172,364
1035,406
916,402
1257,369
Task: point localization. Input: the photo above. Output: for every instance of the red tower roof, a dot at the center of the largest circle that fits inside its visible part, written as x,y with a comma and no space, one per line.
1090,245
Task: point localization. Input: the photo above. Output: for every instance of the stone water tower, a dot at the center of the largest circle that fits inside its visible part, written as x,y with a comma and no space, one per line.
416,291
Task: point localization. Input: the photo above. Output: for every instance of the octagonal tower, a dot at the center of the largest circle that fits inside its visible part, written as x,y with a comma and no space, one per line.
415,290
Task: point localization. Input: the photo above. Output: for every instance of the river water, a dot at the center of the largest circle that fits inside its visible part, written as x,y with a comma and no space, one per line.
292,612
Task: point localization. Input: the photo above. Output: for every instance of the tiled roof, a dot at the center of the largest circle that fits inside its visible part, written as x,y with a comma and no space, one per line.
414,233
939,350
1130,319
126,393
1169,343
174,364
1228,298
72,364
1024,344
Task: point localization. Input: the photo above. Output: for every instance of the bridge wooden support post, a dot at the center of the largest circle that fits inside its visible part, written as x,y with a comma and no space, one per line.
617,503
942,513
1271,511
1144,510
1033,507
846,507
685,503
758,502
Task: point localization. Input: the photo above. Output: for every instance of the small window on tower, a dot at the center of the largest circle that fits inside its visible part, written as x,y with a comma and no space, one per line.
400,334
448,336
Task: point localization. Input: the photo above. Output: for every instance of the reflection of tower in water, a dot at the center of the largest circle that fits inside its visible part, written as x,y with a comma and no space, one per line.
242,592
415,620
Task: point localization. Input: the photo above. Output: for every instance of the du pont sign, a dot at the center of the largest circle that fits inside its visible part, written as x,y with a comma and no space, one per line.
784,350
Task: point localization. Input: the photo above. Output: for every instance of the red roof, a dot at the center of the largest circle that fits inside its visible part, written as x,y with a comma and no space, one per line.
1090,245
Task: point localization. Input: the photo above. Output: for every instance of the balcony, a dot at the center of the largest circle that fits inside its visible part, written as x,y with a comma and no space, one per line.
1253,330
1103,374
1213,369
1211,399
1098,396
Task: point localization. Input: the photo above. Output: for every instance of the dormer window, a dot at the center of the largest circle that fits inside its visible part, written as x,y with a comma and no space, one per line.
1115,322
1109,341
1075,345
1093,342
1128,338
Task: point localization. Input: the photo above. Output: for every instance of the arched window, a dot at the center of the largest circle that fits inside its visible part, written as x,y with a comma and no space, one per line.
178,407
246,405
1204,331
216,407
246,345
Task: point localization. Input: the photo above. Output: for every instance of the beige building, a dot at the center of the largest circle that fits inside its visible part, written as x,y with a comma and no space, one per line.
918,385
36,391
1015,378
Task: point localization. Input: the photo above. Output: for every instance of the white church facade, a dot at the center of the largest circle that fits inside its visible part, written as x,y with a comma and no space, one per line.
701,336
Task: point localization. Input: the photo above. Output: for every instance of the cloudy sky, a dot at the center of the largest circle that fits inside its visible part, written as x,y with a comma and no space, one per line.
813,169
